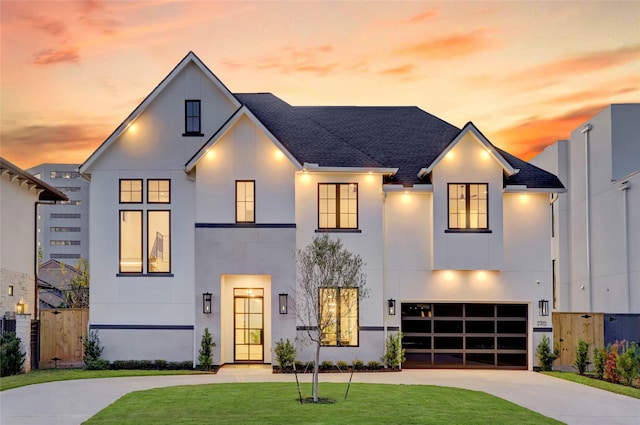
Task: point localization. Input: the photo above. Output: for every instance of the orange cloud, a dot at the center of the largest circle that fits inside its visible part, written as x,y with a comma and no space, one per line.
31,145
455,45
50,56
399,70
530,137
421,17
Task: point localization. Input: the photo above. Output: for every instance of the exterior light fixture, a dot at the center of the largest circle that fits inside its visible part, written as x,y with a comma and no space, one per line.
10,290
206,303
20,308
543,305
392,307
283,303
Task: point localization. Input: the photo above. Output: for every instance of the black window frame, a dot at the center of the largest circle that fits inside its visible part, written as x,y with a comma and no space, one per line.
187,130
120,191
245,202
467,228
338,226
338,314
149,201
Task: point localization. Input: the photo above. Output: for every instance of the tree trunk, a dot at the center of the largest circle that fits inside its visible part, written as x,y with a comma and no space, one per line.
316,367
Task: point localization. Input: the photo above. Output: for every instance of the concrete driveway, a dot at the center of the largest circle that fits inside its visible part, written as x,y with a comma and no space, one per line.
72,402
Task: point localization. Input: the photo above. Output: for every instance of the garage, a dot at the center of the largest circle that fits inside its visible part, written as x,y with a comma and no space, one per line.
465,335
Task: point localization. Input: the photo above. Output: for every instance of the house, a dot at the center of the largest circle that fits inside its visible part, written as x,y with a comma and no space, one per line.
20,195
54,278
63,228
596,232
201,198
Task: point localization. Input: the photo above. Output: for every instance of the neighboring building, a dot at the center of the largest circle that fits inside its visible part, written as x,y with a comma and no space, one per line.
20,192
54,278
63,228
204,193
596,236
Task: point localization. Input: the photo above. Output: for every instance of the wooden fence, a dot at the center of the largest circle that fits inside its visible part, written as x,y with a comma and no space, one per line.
61,333
569,328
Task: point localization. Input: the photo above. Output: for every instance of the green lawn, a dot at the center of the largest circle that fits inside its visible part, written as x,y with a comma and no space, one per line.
597,383
50,375
277,403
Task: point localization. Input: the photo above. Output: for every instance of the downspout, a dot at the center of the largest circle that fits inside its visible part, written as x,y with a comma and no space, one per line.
624,187
585,130
385,311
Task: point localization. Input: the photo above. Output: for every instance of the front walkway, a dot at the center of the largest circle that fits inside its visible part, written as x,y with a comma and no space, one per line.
72,402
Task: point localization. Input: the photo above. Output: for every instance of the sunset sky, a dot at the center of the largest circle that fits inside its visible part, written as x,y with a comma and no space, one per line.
526,73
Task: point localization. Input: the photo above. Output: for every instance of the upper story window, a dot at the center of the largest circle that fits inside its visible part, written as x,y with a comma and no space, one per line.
468,205
245,201
339,316
338,205
158,191
131,191
192,115
64,175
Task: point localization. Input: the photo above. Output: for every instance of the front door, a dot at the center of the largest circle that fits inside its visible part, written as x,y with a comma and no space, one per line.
248,325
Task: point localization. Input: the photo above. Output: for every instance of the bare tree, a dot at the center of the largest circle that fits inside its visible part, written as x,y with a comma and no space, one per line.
330,279
76,295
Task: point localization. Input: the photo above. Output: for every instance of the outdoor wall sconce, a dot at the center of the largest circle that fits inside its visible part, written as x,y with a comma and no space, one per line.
543,305
283,303
20,308
11,290
206,303
392,307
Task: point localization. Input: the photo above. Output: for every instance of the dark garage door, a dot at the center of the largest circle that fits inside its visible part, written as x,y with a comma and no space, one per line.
465,335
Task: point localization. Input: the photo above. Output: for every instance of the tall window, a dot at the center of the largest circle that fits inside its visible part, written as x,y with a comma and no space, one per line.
337,205
339,316
192,117
131,241
245,201
131,191
155,223
468,206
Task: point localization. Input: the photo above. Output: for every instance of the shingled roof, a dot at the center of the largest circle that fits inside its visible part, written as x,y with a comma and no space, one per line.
406,138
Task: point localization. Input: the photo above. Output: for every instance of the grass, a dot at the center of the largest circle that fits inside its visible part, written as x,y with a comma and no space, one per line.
50,375
597,383
271,403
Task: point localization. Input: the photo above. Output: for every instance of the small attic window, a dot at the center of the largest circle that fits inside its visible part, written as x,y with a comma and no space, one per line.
192,114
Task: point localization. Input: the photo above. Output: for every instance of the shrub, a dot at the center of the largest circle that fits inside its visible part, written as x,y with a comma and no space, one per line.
342,365
374,365
92,352
299,365
326,365
627,367
160,364
150,365
545,355
285,353
309,365
599,359
582,357
611,363
11,358
393,353
358,364
206,352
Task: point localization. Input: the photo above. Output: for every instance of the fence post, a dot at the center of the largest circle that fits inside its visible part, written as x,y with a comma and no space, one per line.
23,331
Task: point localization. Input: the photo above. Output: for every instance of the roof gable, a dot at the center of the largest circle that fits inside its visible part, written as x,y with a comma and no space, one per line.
188,59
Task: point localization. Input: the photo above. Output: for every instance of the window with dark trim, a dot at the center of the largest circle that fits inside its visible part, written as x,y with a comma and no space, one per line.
468,205
136,225
245,201
130,191
339,316
192,115
159,191
337,205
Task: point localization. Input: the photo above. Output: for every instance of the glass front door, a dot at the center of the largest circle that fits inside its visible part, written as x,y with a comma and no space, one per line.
248,325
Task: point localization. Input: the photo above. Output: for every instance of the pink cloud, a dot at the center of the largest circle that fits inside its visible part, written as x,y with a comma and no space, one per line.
401,70
61,55
421,17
